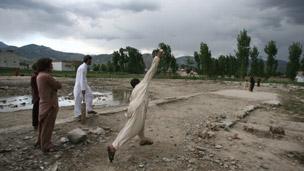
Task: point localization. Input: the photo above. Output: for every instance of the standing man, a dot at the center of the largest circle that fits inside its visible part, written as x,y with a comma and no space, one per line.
252,82
48,104
82,89
35,97
137,110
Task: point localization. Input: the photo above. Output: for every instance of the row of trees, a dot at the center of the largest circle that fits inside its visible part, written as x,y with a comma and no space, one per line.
247,60
127,60
231,65
130,60
108,67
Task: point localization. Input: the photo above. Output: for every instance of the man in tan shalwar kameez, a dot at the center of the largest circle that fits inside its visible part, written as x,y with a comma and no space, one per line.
48,104
136,112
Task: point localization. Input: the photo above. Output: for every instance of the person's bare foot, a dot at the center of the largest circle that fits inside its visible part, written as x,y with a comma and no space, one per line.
111,152
50,148
146,141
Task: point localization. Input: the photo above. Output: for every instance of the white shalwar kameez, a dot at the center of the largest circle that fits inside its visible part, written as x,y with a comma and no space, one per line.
81,84
137,109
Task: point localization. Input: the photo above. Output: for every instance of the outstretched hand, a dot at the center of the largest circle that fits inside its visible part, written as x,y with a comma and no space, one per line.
160,53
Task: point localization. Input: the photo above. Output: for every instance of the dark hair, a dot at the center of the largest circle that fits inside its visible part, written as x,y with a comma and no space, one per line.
44,64
86,58
34,67
134,82
154,52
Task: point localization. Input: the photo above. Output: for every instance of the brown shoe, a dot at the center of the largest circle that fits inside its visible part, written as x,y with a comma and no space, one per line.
145,141
111,152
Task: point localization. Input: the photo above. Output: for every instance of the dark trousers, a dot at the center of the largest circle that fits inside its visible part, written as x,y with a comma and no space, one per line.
35,114
251,87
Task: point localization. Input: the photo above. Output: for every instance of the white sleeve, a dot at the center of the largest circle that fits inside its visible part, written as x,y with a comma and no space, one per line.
82,80
151,72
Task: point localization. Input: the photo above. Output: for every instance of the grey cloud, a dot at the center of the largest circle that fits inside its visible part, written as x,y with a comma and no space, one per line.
27,5
139,6
64,20
82,8
294,9
20,23
29,16
97,9
145,23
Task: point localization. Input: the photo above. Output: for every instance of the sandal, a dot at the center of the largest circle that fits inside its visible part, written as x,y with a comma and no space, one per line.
145,142
111,152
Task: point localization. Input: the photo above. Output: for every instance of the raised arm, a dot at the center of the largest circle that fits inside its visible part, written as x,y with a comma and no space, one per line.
151,72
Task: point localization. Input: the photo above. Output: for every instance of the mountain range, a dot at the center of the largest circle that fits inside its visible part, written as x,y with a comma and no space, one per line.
3,45
33,52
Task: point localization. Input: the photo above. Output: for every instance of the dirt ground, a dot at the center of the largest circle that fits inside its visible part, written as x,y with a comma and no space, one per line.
185,119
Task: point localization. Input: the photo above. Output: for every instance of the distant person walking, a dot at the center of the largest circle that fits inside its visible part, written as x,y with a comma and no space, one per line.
252,82
35,97
259,82
82,90
48,104
137,110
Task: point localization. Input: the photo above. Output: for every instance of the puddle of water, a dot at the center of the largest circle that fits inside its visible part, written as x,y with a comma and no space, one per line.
105,98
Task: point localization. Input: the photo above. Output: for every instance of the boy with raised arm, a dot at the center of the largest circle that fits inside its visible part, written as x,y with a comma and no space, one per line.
137,110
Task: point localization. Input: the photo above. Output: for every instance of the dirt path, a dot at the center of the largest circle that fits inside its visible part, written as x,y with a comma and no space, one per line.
185,133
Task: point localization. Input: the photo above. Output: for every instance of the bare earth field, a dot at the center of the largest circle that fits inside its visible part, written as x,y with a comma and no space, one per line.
195,125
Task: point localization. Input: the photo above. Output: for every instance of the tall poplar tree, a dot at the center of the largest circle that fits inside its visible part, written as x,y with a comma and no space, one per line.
293,66
271,64
254,61
242,53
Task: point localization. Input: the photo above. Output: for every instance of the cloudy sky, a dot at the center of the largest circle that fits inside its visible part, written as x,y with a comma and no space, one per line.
101,26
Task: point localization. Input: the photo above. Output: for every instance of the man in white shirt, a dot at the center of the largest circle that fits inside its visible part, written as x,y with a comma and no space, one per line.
137,110
82,89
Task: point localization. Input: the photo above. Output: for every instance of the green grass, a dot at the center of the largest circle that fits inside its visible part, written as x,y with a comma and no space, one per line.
11,72
95,74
